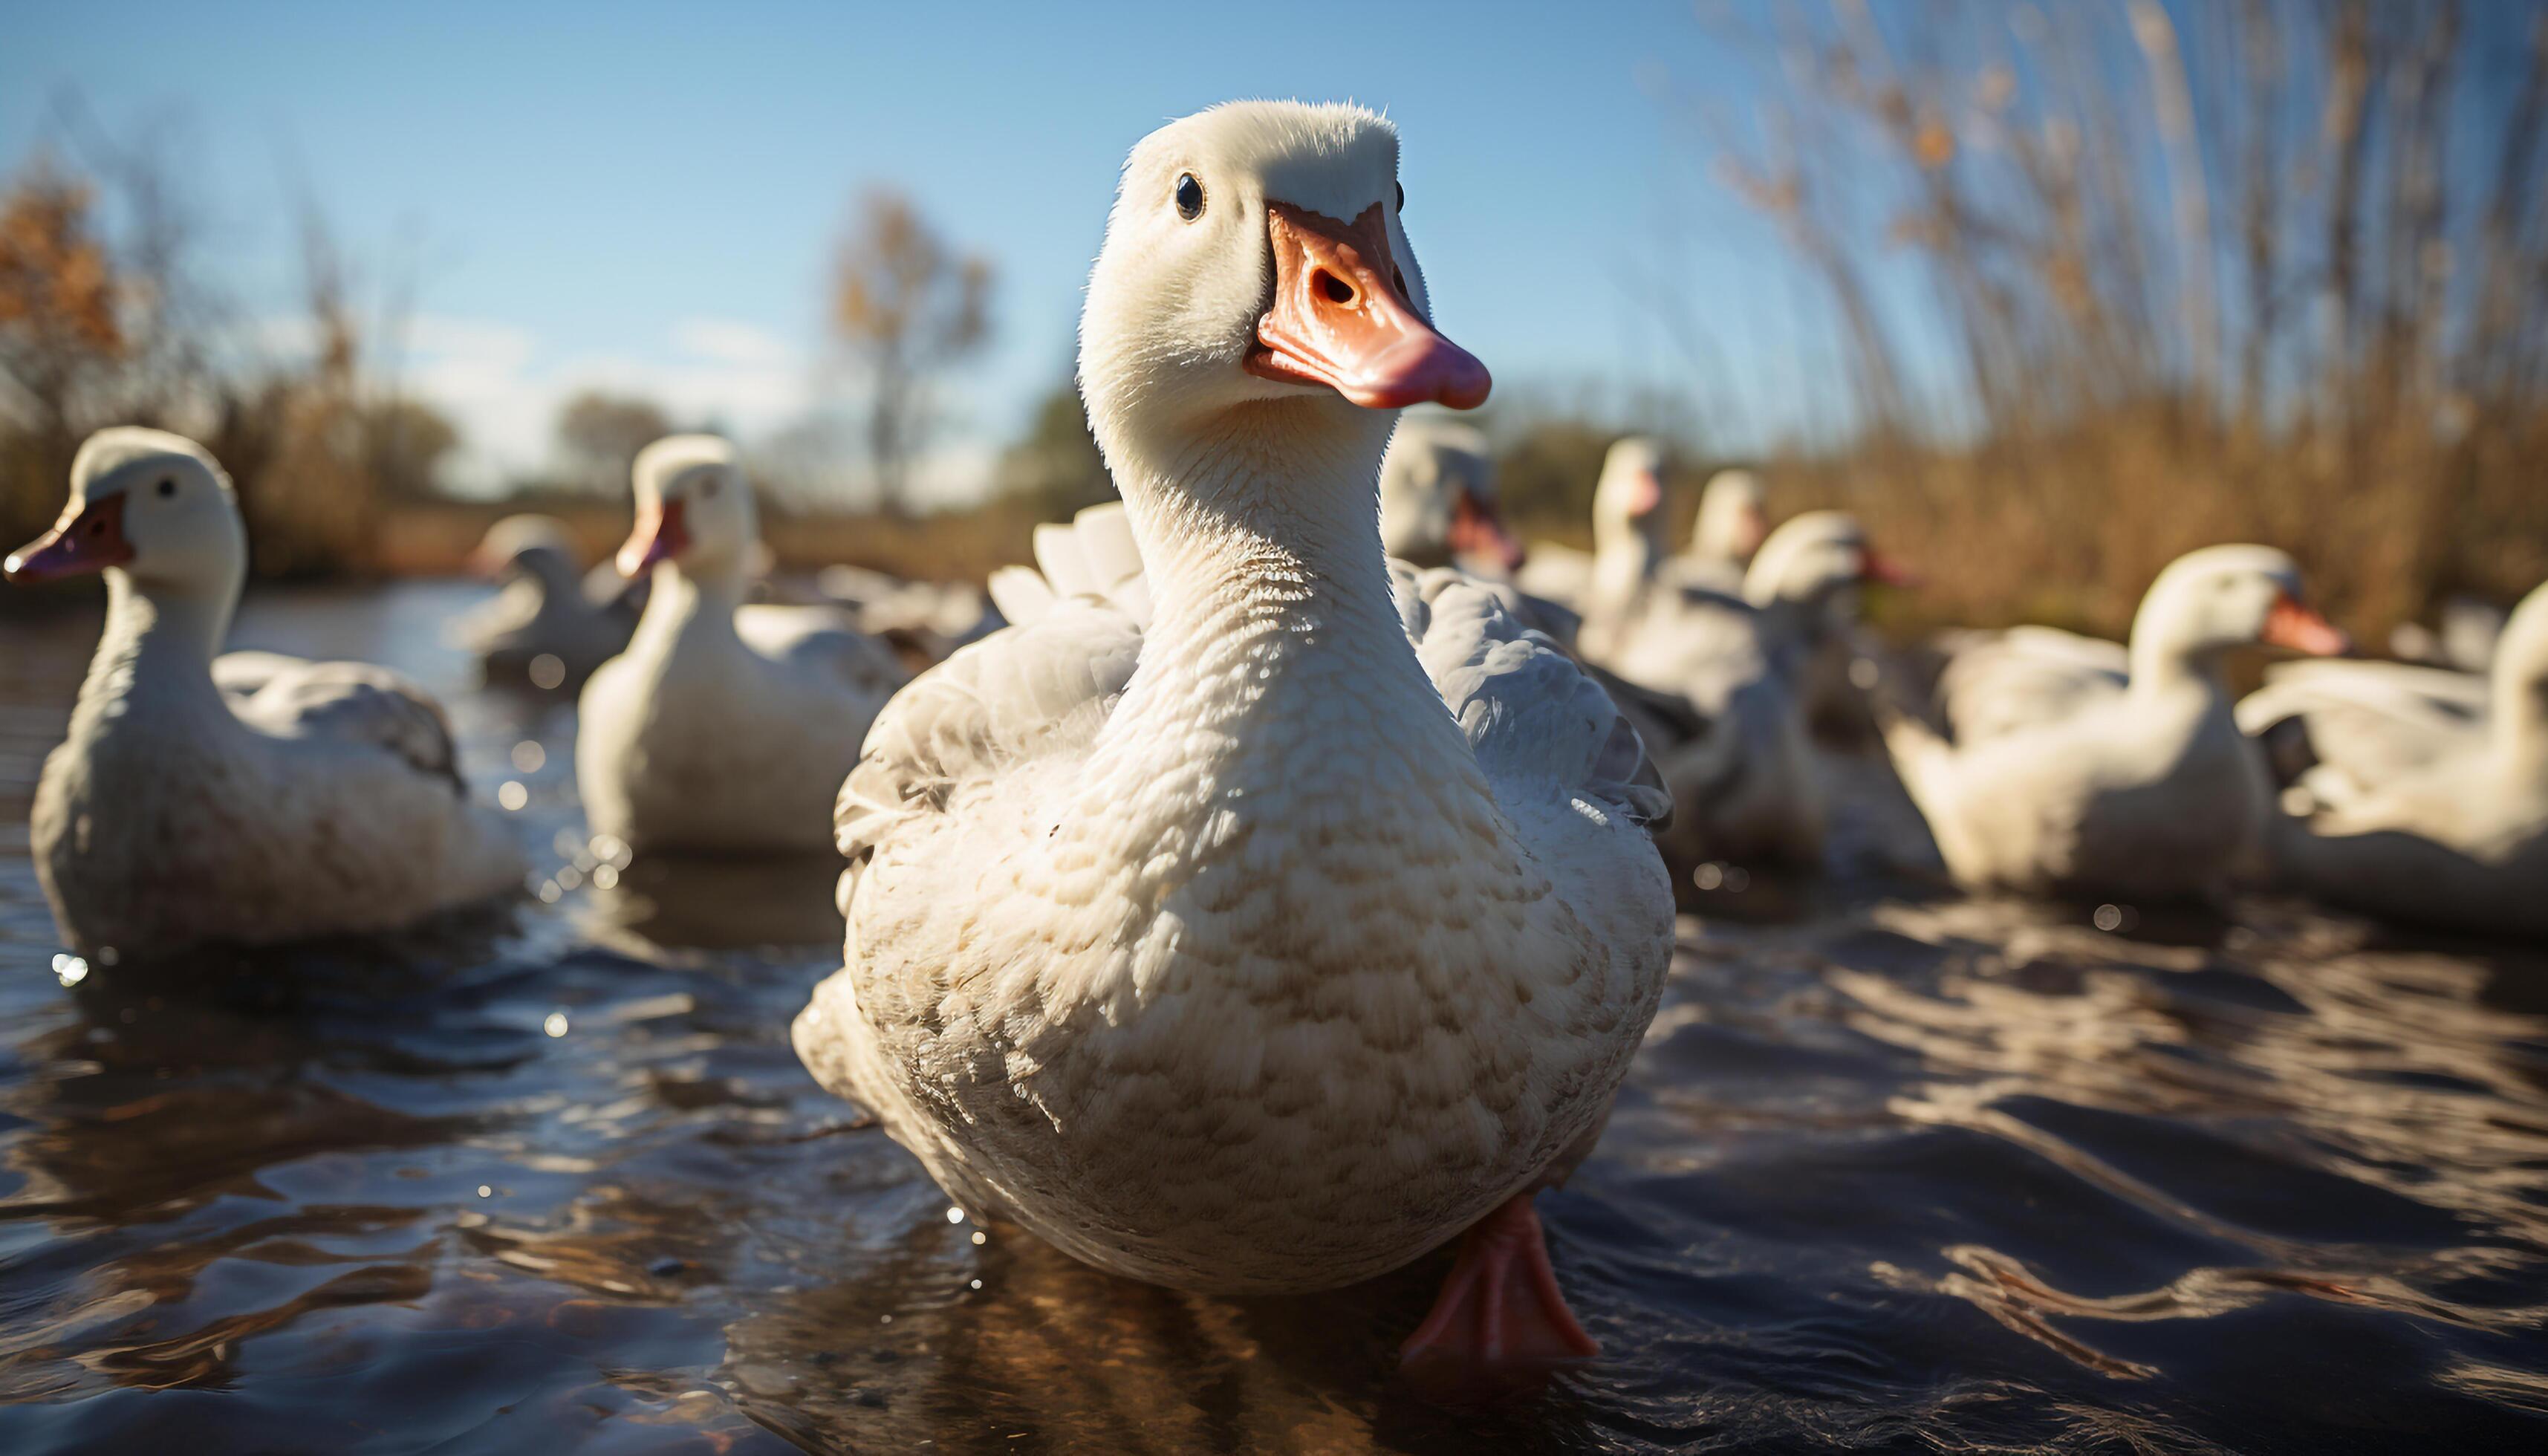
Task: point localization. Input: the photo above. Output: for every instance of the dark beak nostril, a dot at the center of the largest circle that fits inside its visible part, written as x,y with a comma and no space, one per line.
1398,276
1337,288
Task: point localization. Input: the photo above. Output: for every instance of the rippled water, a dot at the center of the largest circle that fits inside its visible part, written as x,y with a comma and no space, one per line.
1898,1173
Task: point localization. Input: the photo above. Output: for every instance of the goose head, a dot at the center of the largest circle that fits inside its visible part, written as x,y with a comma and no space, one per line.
151,508
1818,560
1731,523
1256,302
1628,499
2210,601
694,510
1437,499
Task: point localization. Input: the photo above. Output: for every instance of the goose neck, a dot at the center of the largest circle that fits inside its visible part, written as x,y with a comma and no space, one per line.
158,642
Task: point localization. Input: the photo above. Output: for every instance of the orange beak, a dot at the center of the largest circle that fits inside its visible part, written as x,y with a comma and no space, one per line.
88,538
660,536
1476,531
2297,627
1342,318
1879,570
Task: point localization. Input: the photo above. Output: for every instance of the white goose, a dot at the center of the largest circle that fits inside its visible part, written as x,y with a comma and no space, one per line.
1269,945
2342,730
248,800
2454,833
1609,587
2139,786
1746,789
1438,500
724,728
540,608
1729,529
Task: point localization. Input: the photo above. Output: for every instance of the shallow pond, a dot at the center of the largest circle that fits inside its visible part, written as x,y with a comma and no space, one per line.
1896,1172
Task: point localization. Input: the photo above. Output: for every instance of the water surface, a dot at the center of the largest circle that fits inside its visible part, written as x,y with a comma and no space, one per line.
1898,1172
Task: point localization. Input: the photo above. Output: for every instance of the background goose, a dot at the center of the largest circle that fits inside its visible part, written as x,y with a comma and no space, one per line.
249,800
1270,944
1608,587
543,606
724,727
2141,787
1746,789
1729,527
2453,833
1438,500
2338,730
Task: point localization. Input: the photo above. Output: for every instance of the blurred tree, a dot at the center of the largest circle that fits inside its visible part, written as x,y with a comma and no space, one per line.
905,308
602,434
407,441
1055,470
60,334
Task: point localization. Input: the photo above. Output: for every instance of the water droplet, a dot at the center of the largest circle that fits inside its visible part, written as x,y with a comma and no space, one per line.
70,970
954,1216
548,670
1707,876
611,850
568,879
975,1284
529,757
549,892
2108,918
605,877
555,1026
511,794
979,1237
485,1192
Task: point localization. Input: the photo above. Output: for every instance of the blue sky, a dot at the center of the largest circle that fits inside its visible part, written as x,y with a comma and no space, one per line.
646,196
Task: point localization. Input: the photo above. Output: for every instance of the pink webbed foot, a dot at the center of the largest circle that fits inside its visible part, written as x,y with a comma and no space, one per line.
1500,1326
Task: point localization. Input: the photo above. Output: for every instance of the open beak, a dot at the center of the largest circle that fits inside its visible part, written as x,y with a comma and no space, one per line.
660,536
1342,318
88,538
1879,570
2292,625
1478,534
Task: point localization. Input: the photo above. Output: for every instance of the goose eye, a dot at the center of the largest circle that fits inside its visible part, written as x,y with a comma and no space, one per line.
708,488
1189,197
169,488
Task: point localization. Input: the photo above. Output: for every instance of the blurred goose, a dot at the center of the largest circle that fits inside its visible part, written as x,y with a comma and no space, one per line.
2466,638
1746,789
1438,500
1266,926
1609,587
2136,787
2443,821
247,799
725,727
2338,730
542,608
1729,529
